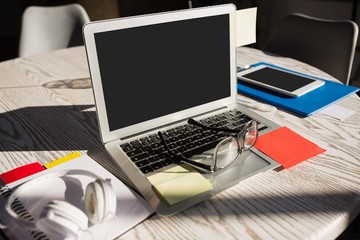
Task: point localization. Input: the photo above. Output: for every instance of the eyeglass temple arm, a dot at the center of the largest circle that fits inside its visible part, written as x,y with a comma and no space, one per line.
196,123
182,158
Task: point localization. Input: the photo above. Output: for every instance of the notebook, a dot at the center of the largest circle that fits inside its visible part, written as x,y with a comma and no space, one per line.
151,73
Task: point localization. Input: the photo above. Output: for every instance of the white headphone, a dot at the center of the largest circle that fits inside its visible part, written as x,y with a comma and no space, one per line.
62,218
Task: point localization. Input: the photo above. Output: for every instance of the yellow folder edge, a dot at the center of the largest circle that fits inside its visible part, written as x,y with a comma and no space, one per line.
62,160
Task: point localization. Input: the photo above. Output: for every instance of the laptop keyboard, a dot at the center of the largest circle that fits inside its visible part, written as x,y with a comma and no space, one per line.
149,154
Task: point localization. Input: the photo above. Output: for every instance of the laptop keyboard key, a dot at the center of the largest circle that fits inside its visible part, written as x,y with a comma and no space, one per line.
146,169
134,152
155,145
140,157
142,163
190,145
181,149
166,162
154,159
146,149
200,149
126,147
156,165
172,145
136,144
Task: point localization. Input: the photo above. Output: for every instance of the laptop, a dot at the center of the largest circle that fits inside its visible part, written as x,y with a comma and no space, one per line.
152,73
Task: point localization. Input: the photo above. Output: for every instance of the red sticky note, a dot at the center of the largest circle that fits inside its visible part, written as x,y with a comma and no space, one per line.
287,147
21,172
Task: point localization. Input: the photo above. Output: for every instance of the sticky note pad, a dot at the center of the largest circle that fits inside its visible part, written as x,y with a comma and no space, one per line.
179,183
287,147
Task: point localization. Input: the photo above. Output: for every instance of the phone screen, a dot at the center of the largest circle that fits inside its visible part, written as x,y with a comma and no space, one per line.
279,79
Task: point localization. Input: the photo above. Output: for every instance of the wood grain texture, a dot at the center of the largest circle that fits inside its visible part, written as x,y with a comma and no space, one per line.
47,111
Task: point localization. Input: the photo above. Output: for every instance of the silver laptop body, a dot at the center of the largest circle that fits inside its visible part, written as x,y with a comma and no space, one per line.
153,72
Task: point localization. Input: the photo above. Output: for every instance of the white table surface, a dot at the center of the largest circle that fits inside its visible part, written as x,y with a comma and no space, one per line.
47,111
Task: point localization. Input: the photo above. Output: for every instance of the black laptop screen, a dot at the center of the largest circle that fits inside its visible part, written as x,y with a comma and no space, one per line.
155,70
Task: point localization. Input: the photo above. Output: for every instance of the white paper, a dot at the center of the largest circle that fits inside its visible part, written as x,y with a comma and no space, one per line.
337,112
245,26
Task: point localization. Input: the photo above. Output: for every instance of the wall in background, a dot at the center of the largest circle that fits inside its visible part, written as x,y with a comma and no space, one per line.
269,13
10,15
138,7
103,9
10,23
11,12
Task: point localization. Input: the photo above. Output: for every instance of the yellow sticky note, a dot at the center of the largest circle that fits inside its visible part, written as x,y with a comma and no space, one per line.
179,183
62,160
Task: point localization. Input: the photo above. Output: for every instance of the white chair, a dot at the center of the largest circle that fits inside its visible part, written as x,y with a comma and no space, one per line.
50,28
326,44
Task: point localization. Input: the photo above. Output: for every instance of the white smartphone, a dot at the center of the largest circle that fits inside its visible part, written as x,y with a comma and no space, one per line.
288,83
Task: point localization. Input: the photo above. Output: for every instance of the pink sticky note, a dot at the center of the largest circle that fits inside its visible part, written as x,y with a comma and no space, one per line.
287,147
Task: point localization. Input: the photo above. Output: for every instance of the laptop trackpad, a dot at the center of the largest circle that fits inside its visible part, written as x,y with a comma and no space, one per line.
248,165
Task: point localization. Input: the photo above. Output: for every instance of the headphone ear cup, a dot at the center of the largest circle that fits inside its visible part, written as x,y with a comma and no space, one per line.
60,218
100,201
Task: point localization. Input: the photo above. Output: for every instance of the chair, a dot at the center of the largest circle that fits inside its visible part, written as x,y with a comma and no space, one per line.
326,44
49,28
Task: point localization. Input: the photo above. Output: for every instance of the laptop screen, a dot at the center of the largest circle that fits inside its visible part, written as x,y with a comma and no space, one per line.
154,70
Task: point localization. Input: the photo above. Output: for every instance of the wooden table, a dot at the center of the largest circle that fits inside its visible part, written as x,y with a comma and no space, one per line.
47,111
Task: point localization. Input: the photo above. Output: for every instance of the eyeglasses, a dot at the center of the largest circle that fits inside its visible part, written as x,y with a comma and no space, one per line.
226,151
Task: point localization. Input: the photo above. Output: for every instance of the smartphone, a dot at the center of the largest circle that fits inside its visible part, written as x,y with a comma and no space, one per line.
285,82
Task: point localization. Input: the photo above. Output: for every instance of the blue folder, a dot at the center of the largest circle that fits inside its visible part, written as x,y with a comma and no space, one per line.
304,105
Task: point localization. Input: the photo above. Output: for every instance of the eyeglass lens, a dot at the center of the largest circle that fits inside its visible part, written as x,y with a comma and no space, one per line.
228,150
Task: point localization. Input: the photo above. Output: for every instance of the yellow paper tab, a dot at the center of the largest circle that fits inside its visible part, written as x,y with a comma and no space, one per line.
179,183
62,160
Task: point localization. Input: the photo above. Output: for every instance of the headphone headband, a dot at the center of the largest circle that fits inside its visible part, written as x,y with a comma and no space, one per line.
57,174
